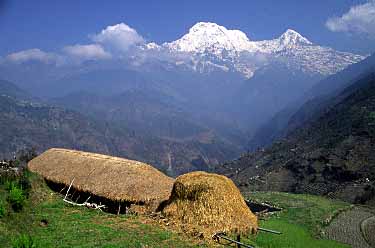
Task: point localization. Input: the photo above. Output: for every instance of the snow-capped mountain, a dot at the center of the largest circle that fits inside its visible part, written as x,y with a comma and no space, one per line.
208,91
214,47
287,41
300,53
209,37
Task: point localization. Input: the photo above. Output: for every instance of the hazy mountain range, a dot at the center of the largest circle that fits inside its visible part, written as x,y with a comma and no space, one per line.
26,123
327,146
208,92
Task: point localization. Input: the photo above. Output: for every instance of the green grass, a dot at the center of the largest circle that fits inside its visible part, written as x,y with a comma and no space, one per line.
301,221
293,236
16,197
23,241
70,226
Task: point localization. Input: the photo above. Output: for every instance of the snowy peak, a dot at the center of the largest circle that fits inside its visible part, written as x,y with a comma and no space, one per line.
203,27
213,30
289,41
292,38
211,46
208,36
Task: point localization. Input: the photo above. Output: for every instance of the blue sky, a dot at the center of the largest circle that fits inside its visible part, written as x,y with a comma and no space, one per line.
51,25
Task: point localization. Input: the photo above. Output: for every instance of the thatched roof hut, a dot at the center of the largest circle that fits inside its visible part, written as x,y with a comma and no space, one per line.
113,178
208,203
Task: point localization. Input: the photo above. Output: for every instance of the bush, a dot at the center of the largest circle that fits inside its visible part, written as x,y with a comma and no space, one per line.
25,184
10,184
16,197
2,209
24,241
18,187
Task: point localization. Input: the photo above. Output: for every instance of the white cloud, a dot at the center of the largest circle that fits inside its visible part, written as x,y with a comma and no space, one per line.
113,41
87,52
118,37
359,19
31,54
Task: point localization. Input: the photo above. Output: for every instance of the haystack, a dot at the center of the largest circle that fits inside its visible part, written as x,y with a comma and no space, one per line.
208,203
116,179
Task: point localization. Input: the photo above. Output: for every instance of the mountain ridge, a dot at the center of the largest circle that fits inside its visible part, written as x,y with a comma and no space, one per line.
331,154
308,105
33,124
229,46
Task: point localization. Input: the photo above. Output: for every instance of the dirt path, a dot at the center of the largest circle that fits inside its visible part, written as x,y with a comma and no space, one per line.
348,226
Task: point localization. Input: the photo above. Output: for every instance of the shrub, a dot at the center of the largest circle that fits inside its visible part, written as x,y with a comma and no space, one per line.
25,184
9,184
16,197
24,241
2,209
16,163
4,178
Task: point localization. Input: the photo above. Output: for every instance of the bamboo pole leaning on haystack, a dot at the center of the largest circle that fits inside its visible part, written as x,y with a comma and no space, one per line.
85,204
238,242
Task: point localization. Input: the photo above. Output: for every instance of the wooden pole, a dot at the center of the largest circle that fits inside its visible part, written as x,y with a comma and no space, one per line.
239,241
239,244
67,192
269,231
119,208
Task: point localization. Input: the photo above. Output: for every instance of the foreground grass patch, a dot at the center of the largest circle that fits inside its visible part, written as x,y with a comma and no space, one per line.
293,236
46,221
52,223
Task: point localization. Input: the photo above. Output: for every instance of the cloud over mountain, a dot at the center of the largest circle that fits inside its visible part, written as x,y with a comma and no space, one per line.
359,19
118,37
86,52
34,54
114,39
206,48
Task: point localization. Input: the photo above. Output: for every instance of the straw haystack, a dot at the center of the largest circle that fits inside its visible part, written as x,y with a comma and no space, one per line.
208,203
112,178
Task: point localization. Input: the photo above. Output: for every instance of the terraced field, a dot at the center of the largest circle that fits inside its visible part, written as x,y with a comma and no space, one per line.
368,230
355,227
302,220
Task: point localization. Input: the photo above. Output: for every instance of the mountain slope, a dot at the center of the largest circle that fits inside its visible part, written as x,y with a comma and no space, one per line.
145,111
332,155
26,124
310,104
10,89
270,90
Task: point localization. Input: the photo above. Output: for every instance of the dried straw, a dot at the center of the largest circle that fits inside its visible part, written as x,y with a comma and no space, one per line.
209,203
114,178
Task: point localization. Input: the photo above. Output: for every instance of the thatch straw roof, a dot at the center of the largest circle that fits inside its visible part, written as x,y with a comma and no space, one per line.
114,178
209,203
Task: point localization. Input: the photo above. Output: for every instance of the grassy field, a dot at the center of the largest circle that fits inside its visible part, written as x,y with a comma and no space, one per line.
52,223
69,226
301,222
